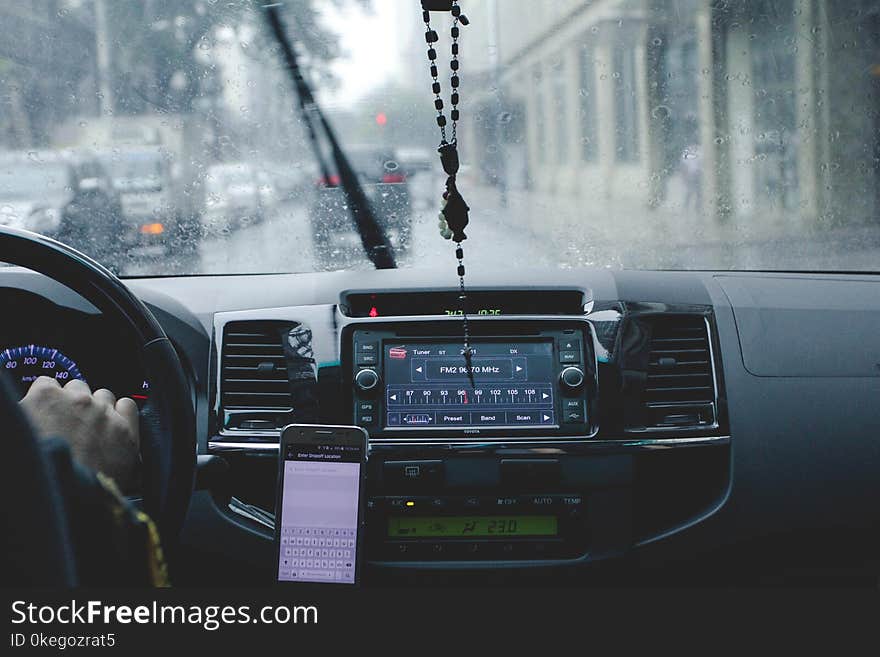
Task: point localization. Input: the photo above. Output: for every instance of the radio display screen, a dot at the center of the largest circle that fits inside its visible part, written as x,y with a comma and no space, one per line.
475,526
428,385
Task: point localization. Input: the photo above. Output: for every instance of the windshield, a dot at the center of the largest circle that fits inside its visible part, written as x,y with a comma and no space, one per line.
30,182
673,134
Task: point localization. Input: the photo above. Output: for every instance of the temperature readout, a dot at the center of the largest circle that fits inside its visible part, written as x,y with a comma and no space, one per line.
471,526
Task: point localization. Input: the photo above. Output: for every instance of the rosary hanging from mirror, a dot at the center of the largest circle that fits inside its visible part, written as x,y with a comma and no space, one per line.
454,211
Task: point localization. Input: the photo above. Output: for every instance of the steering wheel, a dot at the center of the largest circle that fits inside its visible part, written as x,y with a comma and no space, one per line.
167,421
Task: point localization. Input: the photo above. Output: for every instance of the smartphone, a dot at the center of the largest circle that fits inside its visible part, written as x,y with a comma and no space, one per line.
319,511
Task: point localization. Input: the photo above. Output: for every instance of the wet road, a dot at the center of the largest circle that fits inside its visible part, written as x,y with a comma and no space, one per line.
283,243
532,232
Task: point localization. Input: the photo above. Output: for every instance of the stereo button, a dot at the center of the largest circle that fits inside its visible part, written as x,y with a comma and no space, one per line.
530,417
575,415
571,378
569,357
369,347
488,417
366,379
452,419
570,345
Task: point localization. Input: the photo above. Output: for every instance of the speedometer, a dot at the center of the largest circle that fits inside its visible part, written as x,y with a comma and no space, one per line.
24,364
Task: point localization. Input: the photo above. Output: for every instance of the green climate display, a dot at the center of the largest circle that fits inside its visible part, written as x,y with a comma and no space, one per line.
471,526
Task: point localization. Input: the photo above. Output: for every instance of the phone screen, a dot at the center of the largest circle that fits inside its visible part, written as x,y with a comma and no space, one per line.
319,504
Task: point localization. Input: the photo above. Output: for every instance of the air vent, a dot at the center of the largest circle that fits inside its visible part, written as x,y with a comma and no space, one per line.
254,385
680,387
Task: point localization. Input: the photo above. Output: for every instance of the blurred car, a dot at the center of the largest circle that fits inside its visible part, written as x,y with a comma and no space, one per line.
290,180
68,196
232,197
385,183
152,219
424,175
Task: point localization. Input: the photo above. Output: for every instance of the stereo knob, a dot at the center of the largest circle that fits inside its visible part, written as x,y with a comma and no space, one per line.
366,379
571,378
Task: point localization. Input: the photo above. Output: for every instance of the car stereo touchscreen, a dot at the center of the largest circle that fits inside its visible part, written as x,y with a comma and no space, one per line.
506,384
525,379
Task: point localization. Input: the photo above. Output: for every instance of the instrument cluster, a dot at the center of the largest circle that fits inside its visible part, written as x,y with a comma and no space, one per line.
45,339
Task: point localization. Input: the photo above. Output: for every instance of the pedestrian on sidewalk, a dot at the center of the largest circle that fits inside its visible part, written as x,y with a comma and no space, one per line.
691,168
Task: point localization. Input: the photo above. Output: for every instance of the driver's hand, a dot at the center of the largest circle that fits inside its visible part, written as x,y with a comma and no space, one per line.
102,431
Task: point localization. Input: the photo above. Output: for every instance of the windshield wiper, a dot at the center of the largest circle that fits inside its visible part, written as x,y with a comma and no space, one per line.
373,238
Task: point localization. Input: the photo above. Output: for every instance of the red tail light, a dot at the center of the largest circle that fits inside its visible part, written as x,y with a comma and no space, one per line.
393,178
328,181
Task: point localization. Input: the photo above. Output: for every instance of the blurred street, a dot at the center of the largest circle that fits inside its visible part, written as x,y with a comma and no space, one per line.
583,236
283,243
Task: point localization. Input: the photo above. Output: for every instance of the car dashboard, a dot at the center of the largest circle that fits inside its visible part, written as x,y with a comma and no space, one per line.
690,426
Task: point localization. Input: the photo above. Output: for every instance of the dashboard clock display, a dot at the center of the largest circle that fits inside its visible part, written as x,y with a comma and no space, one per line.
471,526
25,363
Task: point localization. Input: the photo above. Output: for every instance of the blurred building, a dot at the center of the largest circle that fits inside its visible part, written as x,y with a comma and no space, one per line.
46,59
739,109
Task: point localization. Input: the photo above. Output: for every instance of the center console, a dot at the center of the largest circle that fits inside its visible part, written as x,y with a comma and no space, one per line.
525,380
462,465
526,454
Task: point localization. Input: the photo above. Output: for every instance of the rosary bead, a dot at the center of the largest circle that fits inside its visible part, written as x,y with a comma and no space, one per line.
438,103
453,64
432,54
454,115
441,120
426,16
454,48
461,270
456,11
454,98
454,81
436,87
463,19
454,32
459,253
431,36
433,70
